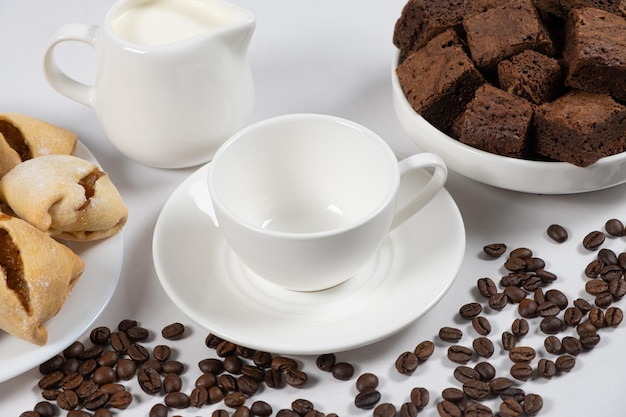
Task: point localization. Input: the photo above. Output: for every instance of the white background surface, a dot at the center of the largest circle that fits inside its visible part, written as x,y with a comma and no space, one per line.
329,57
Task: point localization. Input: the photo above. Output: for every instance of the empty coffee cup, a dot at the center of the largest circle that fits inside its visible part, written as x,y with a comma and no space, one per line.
305,200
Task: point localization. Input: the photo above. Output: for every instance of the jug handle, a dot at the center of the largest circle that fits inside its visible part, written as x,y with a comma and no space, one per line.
55,76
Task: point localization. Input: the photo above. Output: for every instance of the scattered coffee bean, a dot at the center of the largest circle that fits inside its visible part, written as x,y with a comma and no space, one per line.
180,400
500,384
521,371
420,397
572,345
366,382
408,409
326,362
593,240
297,378
514,293
533,403
452,394
385,410
557,233
551,325
343,371
522,354
424,350
447,408
515,264
459,354
450,334
486,287
464,373
470,310
261,409
510,407
482,325
614,227
546,368
406,363
367,399
519,328
483,347
613,316
477,390
498,301
495,249
572,316
553,345
508,340
565,363
486,371
173,331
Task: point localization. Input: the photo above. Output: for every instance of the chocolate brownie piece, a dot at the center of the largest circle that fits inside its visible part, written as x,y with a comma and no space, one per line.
439,80
595,52
504,31
531,75
580,127
422,20
497,122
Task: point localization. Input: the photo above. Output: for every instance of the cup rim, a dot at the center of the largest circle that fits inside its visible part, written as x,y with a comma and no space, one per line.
216,200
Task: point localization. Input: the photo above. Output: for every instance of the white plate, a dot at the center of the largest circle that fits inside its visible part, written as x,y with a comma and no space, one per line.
197,269
92,292
500,171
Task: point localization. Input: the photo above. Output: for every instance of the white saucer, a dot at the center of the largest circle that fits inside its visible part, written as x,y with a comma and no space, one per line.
197,269
92,292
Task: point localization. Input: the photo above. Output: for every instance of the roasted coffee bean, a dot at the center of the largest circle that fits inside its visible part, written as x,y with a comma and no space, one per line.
138,353
586,327
621,260
450,334
367,399
51,365
486,371
498,301
158,410
262,359
51,380
45,409
243,411
613,316
78,413
285,412
112,388
172,383
452,394
149,381
534,264
282,362
227,382
514,393
521,252
74,350
515,264
607,256
406,363
30,414
109,358
71,381
67,400
50,394
385,410
173,331
463,373
483,347
206,380
553,345
233,364
611,272
572,345
234,399
508,340
614,227
126,324
522,354
424,350
546,368
420,397
533,403
470,310
302,406
551,325
102,412
254,372
590,340
477,390
366,382
212,365
98,399
548,308
521,371
161,352
225,348
326,362
593,268
597,317
520,327
557,233
459,354
565,363
137,334
104,375
617,288
151,363
211,341
408,409
447,408
126,369
527,308
482,325
93,352
486,287
557,297
174,367
216,394
546,276
273,378
224,413
603,300
539,296
593,240
70,365
100,335
476,409
180,400
583,305
247,385
261,409
532,283
514,293
119,342
500,384
297,378
572,316
511,408
495,249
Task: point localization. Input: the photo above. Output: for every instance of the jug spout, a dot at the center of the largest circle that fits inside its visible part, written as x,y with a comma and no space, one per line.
238,27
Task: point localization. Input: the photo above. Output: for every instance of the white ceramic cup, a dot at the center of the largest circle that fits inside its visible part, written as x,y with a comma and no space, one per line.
173,79
305,200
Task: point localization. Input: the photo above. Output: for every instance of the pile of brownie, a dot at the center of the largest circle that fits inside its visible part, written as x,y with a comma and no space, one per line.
531,79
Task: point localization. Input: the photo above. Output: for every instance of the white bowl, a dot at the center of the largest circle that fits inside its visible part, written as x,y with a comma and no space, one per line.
501,171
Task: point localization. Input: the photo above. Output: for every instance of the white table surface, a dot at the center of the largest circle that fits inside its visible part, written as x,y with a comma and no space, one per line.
330,57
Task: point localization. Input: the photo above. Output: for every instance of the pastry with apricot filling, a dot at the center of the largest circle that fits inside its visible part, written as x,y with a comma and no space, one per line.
24,137
37,274
65,196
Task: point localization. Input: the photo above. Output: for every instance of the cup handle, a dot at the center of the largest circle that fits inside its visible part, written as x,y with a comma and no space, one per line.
58,79
430,190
